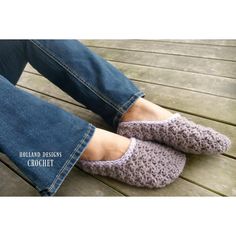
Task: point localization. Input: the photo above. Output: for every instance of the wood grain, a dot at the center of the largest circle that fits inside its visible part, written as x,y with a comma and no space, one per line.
192,50
175,62
212,42
13,185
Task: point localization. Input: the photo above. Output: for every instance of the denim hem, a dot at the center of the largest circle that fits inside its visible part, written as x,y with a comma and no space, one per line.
126,106
69,164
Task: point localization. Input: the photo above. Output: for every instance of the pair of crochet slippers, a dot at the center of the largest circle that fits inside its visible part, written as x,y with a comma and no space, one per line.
149,162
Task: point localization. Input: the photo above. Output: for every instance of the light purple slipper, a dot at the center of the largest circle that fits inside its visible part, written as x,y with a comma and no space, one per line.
179,133
145,164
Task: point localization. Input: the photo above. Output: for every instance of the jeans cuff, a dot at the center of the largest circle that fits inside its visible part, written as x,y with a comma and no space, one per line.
125,107
69,164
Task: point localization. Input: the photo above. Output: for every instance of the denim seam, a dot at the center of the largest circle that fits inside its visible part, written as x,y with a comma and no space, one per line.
129,103
78,77
73,155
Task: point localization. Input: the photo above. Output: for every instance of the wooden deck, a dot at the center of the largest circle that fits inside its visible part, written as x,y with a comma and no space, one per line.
196,78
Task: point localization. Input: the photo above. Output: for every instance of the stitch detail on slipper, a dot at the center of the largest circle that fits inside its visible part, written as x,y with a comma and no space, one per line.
145,164
179,133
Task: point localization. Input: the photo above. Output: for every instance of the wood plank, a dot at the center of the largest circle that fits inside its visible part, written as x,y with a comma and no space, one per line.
202,51
13,185
215,85
77,183
218,171
218,42
180,187
191,102
214,172
182,63
172,98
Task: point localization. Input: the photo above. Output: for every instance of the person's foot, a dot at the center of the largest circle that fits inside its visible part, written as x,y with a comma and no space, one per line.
105,146
144,164
172,130
143,109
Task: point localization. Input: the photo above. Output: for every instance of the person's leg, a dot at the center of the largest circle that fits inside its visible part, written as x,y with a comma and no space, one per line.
14,56
16,53
43,140
105,90
105,146
143,109
85,76
62,61
97,84
30,126
12,59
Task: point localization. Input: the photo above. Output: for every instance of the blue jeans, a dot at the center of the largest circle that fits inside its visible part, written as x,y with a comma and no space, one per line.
43,140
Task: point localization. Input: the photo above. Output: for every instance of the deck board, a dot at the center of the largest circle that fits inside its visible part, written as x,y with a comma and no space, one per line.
209,84
193,77
180,187
13,185
79,183
224,43
182,63
202,51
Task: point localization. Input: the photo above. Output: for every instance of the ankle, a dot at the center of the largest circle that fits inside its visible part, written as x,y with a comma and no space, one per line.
105,146
133,112
116,148
143,109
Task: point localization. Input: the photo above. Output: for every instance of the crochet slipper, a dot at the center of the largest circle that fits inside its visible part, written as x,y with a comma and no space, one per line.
179,133
145,164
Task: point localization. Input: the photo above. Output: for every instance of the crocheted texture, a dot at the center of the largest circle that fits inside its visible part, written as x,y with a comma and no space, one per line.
179,133
145,164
